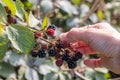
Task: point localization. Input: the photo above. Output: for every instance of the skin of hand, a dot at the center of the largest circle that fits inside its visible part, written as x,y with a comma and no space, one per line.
101,39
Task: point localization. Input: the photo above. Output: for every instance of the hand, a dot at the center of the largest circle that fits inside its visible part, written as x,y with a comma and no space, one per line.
100,38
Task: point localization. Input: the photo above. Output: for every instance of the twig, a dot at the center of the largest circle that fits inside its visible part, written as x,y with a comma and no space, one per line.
81,76
47,41
94,7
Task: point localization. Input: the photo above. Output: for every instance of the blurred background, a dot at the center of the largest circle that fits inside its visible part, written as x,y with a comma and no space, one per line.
65,14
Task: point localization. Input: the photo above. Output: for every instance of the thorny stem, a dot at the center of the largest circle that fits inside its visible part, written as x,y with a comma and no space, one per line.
94,7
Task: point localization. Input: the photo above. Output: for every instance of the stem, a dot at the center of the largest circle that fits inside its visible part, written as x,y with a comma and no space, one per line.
94,7
81,76
48,41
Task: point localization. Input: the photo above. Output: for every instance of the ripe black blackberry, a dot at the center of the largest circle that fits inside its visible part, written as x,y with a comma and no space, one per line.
52,52
41,53
60,45
52,27
8,16
15,20
72,64
77,56
33,54
66,57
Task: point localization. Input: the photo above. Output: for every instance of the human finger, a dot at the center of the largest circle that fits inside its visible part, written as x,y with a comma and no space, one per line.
82,47
93,63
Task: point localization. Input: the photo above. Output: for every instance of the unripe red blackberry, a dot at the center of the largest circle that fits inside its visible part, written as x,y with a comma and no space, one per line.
10,20
59,62
45,46
38,34
51,32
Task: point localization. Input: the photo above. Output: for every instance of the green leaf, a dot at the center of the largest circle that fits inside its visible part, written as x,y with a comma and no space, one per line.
90,74
6,70
73,22
46,9
45,69
28,5
45,23
1,29
3,14
51,76
3,44
102,70
100,14
61,76
21,38
11,6
33,21
15,59
31,74
66,6
20,9
76,2
99,76
21,72
27,18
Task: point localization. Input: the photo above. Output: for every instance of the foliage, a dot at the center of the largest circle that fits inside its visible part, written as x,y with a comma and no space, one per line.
17,38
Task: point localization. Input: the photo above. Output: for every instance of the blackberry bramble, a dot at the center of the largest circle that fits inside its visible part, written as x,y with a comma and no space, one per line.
54,48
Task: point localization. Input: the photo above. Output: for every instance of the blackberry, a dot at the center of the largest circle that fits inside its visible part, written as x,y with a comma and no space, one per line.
10,20
7,10
66,57
59,62
52,27
38,34
72,64
33,54
60,45
41,53
52,52
50,32
77,56
8,16
15,20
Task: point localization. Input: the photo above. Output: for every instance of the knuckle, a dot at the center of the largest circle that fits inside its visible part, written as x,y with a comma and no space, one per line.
104,24
72,32
87,31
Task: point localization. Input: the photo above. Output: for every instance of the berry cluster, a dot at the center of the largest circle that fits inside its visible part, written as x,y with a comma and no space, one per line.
55,48
10,18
